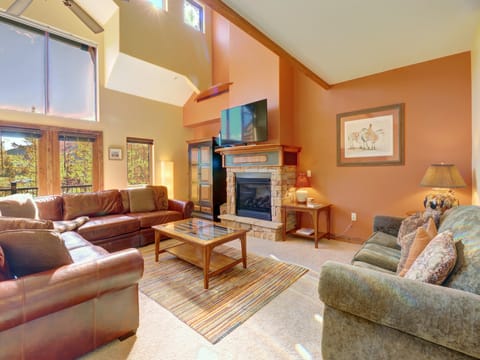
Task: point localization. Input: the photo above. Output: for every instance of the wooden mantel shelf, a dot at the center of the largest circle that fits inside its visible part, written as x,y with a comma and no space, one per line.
245,149
259,155
214,90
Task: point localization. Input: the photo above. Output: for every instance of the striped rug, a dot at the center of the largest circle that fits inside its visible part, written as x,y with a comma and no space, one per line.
232,298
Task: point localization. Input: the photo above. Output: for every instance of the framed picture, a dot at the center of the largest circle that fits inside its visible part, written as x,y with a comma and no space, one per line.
371,137
115,153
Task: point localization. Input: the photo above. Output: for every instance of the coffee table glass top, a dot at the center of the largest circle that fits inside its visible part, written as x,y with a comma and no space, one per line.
201,229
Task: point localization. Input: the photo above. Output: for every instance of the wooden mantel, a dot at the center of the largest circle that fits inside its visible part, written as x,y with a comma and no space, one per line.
259,155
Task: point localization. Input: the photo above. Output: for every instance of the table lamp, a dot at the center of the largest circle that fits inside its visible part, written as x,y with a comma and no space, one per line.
302,182
442,178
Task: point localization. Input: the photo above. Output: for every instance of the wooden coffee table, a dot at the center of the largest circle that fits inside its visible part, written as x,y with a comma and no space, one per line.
193,241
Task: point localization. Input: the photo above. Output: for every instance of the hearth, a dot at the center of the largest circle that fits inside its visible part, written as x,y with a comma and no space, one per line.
254,195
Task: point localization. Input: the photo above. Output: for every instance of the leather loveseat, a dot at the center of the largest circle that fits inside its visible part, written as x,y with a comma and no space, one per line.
114,219
372,313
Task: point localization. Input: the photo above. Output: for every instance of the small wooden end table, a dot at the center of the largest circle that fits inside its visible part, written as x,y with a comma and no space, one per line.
193,241
314,210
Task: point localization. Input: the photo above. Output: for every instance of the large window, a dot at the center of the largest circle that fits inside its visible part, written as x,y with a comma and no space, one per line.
139,161
18,160
76,162
46,73
193,14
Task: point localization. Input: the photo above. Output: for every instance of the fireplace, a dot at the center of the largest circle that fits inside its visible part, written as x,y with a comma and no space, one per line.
253,195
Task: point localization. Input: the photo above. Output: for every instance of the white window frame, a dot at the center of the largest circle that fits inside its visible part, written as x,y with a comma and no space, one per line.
57,32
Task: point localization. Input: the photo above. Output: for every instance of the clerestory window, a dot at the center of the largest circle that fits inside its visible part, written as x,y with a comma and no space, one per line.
193,14
46,73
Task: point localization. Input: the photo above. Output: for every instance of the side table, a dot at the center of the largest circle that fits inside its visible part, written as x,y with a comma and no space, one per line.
314,210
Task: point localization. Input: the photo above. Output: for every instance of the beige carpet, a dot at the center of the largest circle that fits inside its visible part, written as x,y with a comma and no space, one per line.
289,327
232,297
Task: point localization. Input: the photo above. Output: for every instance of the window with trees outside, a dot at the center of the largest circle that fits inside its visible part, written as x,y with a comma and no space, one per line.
44,160
76,162
139,161
19,160
46,73
193,14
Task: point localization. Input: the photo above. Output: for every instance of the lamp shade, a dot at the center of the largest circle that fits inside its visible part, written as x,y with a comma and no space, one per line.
443,176
302,180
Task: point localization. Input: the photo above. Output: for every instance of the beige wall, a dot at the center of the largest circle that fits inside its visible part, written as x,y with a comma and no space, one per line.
121,115
163,39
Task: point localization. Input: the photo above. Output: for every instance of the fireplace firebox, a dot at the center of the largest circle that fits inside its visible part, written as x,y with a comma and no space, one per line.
254,195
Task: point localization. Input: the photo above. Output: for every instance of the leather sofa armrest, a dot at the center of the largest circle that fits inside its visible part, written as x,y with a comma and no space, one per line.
438,314
40,294
185,207
387,224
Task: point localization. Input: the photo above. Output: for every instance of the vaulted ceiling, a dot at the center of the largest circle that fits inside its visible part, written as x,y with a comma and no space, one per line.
341,40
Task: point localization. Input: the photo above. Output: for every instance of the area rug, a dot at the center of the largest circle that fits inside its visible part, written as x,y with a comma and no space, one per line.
232,297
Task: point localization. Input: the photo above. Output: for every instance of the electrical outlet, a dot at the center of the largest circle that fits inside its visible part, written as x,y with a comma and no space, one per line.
354,216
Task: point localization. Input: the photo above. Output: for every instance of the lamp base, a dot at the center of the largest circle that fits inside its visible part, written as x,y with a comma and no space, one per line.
301,196
441,200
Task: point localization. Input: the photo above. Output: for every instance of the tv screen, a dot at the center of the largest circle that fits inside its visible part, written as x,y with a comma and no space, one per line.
244,124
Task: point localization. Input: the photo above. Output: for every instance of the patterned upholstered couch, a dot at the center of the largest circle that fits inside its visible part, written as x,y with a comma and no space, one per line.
372,313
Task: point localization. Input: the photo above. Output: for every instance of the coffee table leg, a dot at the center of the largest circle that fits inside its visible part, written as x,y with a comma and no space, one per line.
157,245
206,265
243,242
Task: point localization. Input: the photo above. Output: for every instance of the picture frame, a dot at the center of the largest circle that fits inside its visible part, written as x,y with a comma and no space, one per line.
115,153
371,137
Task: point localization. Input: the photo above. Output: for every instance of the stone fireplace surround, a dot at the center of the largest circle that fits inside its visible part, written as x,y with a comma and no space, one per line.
280,162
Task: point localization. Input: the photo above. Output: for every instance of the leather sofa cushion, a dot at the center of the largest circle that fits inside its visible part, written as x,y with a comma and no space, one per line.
148,219
19,205
87,253
13,223
50,207
141,200
98,203
73,240
32,251
103,227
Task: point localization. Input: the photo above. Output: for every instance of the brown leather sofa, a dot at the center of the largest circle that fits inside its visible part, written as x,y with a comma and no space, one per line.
68,311
118,219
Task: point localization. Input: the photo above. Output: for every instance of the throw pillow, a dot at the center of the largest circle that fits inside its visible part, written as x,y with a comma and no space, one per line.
408,225
422,238
14,223
19,205
436,261
4,269
141,200
70,225
160,195
32,251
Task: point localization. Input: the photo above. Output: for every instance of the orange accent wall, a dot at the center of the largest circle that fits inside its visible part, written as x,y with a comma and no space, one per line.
255,73
437,97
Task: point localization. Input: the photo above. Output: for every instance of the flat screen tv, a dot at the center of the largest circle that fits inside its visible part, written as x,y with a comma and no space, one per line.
244,124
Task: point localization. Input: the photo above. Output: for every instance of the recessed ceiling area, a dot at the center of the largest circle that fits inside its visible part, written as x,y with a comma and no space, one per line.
341,40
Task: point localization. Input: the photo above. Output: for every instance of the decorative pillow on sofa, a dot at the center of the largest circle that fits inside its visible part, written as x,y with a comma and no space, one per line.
410,224
14,223
32,251
141,200
19,205
413,246
160,196
70,225
436,261
5,273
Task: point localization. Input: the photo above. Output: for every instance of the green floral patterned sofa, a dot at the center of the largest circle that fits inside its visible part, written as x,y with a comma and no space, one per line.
372,313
